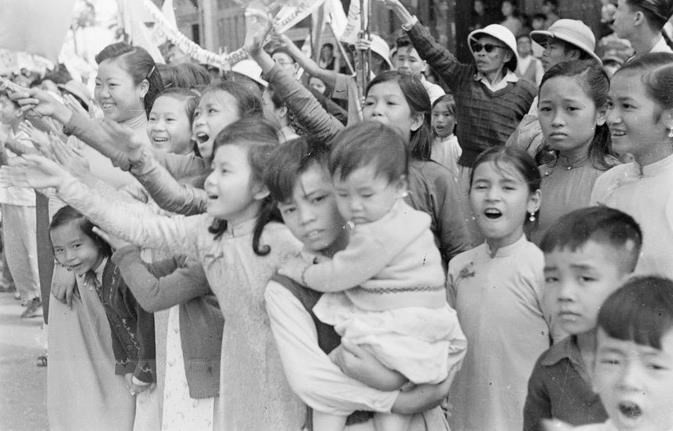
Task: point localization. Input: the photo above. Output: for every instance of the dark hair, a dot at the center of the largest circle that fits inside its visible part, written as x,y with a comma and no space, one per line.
282,50
369,143
249,103
68,214
291,160
190,98
184,75
655,71
656,12
403,40
139,64
552,3
595,83
539,15
640,311
328,45
519,159
259,138
449,100
604,225
450,105
420,142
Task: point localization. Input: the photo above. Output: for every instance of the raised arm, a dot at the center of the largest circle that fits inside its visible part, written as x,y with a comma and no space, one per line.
134,222
166,191
438,57
329,77
307,110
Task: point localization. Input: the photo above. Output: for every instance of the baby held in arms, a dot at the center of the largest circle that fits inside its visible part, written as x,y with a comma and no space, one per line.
386,291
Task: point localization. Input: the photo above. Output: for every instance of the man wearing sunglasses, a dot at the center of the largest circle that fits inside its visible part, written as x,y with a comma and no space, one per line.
490,98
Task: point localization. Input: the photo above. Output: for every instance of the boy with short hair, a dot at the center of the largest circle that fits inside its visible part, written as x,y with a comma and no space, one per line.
588,254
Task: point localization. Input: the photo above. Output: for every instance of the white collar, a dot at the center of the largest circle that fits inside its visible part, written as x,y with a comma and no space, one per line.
509,77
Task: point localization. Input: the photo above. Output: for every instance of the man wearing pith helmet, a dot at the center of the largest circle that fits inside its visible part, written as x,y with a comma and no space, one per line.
490,98
566,40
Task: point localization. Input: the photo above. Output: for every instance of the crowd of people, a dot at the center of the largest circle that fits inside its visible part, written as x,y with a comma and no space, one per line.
258,250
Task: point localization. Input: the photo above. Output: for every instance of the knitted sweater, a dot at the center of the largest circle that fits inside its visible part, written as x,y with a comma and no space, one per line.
485,118
393,260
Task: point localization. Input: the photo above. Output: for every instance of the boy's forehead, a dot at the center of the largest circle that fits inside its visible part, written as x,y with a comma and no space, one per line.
596,253
408,50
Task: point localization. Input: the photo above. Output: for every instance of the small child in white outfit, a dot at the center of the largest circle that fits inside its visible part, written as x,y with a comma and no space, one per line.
386,289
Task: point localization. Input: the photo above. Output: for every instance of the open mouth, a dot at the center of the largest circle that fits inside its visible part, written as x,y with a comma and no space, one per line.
630,409
617,133
202,137
492,213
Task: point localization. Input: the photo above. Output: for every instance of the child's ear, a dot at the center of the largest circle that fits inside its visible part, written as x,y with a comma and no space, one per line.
667,119
260,192
602,116
534,201
402,186
417,121
143,88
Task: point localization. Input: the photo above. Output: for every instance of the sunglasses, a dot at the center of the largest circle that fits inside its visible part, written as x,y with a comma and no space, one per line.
488,47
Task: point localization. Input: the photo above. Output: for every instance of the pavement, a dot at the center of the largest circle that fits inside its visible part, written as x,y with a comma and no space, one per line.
23,385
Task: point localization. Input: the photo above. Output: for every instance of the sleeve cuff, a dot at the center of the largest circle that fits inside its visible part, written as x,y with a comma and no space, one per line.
409,24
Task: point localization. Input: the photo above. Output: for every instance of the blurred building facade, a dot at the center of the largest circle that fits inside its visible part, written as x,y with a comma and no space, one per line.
219,25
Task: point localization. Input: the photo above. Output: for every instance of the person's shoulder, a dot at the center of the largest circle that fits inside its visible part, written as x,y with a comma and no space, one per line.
460,260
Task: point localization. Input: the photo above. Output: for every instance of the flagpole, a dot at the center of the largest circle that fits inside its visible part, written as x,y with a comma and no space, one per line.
341,49
363,68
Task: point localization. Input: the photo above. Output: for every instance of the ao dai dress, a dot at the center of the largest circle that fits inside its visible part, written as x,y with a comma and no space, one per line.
254,394
646,194
563,190
499,303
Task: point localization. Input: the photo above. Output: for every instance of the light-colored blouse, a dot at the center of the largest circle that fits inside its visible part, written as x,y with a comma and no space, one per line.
646,194
254,394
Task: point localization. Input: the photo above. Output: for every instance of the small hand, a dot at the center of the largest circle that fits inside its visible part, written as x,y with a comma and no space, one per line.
134,388
34,171
362,365
115,242
39,138
74,105
363,44
69,157
63,284
123,137
257,24
41,102
294,268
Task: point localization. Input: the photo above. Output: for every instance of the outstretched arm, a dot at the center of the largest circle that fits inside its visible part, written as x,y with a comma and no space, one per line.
307,110
133,222
329,77
438,57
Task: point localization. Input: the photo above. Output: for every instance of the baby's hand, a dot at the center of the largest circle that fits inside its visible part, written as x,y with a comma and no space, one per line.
135,386
294,268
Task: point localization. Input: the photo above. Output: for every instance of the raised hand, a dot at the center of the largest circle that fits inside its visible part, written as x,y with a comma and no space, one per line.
39,138
123,137
34,171
257,24
72,104
115,242
41,103
63,284
69,157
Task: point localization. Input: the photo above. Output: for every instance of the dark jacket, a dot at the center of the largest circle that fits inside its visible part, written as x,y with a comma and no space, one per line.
170,282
